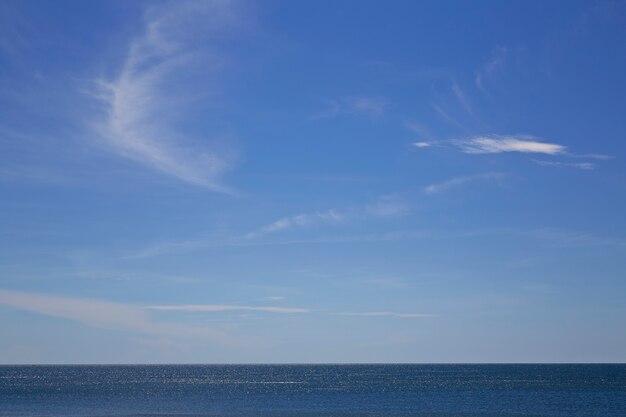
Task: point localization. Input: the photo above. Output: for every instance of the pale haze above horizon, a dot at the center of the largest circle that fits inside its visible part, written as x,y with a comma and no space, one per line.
312,181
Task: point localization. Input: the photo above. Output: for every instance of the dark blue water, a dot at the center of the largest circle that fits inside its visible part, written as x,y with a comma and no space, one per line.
314,390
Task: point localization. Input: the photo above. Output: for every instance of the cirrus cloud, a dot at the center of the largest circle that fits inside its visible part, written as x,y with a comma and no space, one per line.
172,61
494,144
220,307
458,181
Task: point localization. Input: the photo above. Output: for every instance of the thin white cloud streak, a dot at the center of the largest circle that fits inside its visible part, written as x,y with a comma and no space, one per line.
134,319
494,144
423,144
105,315
185,246
141,104
386,314
591,156
459,181
462,98
555,237
218,308
298,221
580,165
498,144
456,108
570,238
447,117
274,298
384,207
280,310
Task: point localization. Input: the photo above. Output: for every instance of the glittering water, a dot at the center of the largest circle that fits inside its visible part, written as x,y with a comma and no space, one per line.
314,390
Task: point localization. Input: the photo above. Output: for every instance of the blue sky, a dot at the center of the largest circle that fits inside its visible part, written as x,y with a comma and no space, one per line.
219,182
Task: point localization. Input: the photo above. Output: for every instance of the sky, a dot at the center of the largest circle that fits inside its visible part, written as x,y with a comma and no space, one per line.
312,181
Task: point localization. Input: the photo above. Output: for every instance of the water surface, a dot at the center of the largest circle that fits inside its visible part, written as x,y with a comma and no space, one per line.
314,390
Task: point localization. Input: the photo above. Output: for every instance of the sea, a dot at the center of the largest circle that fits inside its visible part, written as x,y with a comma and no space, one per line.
314,390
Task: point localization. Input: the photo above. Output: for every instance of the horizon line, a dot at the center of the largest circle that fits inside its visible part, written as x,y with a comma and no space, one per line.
312,363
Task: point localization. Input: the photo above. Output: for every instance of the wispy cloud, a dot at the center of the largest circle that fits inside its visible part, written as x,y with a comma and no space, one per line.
556,236
597,156
458,181
493,144
491,67
423,144
298,221
386,314
579,165
274,298
105,315
462,98
447,117
388,206
218,308
168,65
369,107
281,310
384,207
526,144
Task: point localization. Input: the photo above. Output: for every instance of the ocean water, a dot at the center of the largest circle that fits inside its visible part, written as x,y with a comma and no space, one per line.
314,390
